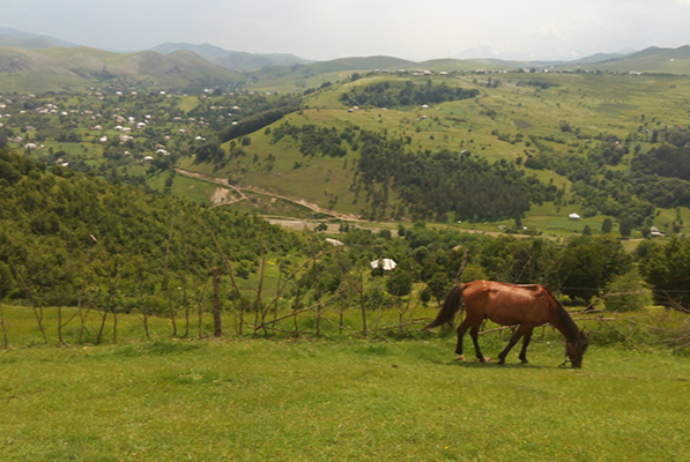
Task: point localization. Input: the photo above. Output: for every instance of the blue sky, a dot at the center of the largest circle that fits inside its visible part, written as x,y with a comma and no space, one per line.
328,29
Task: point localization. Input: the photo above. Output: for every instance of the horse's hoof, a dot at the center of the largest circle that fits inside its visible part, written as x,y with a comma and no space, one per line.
502,363
484,360
524,361
460,357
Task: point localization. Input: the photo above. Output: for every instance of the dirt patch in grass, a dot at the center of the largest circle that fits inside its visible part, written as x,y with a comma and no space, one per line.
220,195
522,124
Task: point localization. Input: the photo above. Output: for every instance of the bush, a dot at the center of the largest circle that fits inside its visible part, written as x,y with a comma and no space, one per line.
628,293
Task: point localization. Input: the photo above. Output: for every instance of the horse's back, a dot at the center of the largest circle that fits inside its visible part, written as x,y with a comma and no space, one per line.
508,304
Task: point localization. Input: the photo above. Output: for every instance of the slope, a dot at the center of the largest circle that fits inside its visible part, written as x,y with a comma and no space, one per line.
517,118
86,65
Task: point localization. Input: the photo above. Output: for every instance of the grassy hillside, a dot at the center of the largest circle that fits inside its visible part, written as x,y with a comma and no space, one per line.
206,50
74,67
652,60
298,78
242,61
500,124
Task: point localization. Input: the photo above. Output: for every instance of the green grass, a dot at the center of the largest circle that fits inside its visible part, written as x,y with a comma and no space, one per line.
330,399
187,103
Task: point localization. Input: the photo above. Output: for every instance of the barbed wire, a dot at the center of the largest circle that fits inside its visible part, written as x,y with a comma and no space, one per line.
640,291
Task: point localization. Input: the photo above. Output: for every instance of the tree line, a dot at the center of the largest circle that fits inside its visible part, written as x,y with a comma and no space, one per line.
404,93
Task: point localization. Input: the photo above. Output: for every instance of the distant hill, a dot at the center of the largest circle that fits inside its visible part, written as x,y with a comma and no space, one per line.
650,60
598,57
233,60
83,66
207,51
16,38
362,63
241,61
298,77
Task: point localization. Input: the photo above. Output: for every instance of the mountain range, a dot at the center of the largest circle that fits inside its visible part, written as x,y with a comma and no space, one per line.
34,62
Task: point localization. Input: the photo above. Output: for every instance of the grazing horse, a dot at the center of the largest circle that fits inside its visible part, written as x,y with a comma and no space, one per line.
525,306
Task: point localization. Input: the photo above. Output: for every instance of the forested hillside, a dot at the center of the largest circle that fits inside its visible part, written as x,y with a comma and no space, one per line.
62,232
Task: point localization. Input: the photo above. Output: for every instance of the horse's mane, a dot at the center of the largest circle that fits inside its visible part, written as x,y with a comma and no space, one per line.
570,329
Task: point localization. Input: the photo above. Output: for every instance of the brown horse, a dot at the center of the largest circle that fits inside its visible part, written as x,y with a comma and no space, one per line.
525,306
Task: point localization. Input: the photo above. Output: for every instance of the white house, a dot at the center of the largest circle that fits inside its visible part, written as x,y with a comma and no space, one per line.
655,232
386,263
574,217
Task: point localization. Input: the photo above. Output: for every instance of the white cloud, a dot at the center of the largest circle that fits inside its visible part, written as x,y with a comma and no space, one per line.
325,29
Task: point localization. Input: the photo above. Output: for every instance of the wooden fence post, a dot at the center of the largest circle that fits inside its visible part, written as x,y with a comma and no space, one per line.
217,327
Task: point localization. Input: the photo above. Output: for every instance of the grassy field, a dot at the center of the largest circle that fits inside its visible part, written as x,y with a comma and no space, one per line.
335,398
495,125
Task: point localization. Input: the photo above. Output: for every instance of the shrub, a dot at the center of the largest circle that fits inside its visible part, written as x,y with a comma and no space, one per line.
628,293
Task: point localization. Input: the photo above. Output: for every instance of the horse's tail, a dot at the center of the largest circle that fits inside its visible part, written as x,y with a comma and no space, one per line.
450,307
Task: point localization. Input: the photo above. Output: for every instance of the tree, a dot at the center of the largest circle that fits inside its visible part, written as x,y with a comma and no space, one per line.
628,292
588,264
399,283
626,226
667,269
607,226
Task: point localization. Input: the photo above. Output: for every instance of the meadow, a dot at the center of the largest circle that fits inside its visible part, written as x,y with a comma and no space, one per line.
335,397
514,120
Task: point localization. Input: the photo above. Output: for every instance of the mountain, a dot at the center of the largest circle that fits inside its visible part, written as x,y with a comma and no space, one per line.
205,50
21,39
242,61
81,66
233,60
18,61
598,57
650,60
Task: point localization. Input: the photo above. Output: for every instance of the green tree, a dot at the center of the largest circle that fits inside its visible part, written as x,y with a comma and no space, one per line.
667,269
628,292
399,283
626,226
588,264
607,226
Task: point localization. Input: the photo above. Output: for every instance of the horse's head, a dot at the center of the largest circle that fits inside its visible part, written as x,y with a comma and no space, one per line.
576,350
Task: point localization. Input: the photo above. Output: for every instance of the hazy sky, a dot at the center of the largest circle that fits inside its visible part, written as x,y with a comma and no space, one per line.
328,29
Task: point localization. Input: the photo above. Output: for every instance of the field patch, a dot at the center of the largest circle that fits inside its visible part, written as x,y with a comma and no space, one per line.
522,124
618,107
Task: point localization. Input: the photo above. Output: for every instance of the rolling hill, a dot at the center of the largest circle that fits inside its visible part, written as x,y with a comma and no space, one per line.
205,50
242,61
652,60
82,66
233,60
17,38
518,119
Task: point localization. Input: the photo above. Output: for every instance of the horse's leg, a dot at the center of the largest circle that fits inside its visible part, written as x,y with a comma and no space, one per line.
522,330
474,332
461,333
525,343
